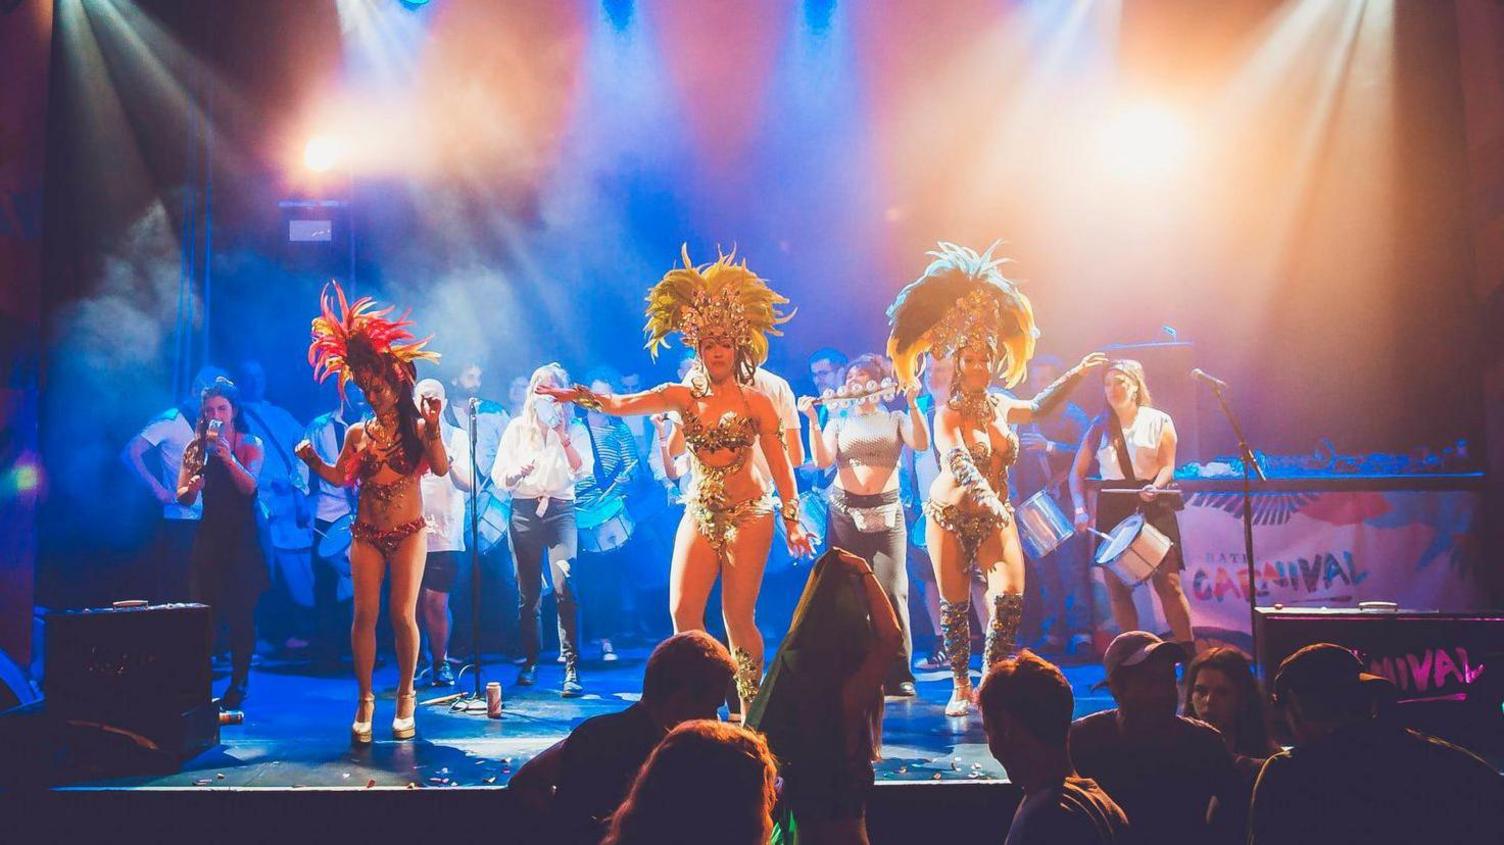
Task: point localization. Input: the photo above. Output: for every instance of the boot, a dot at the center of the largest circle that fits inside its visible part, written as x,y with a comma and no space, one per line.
955,628
1002,628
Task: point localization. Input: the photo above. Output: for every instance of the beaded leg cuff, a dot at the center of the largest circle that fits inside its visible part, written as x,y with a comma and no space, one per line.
955,627
748,674
1002,629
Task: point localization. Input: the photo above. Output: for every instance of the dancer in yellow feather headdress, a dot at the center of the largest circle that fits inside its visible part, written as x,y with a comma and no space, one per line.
964,308
385,456
724,312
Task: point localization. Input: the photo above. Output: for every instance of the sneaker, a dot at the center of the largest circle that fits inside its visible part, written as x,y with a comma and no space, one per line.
443,675
527,675
572,687
935,661
608,652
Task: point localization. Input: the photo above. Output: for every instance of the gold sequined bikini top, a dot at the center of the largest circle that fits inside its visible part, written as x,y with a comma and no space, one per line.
732,431
981,455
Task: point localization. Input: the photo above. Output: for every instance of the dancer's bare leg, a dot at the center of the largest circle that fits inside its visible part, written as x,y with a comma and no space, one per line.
741,581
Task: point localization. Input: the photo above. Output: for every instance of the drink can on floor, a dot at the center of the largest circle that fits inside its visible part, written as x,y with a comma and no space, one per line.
493,700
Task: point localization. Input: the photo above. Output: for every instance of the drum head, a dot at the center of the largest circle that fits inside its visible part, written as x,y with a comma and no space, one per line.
336,539
1120,539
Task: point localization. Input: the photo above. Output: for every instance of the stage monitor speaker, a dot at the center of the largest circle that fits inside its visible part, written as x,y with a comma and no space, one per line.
144,670
1167,368
1447,667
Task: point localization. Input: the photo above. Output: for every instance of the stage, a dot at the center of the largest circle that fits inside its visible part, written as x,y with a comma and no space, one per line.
296,732
289,773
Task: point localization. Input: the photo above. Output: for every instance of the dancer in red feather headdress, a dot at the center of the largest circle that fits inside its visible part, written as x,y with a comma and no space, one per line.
384,457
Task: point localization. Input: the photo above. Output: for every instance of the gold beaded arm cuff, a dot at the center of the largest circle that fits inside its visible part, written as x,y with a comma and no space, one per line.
1052,396
790,509
961,465
587,398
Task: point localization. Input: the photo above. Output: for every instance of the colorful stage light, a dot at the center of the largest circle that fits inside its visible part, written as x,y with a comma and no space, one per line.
322,153
1145,138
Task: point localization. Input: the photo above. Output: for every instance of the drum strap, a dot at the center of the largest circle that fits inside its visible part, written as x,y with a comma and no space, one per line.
1120,443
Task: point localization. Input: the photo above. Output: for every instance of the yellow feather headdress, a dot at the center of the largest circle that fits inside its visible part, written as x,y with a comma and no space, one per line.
962,298
722,299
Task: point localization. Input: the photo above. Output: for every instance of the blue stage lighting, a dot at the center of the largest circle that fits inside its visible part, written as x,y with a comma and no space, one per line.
619,12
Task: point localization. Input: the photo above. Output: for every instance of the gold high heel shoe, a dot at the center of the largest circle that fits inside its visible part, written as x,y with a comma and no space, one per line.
360,732
405,728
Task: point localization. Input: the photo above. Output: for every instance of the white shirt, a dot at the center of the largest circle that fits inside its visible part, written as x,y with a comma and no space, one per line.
443,502
170,435
281,473
331,501
1142,439
777,389
551,476
680,463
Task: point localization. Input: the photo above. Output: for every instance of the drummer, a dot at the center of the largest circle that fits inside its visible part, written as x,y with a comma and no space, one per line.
1057,615
1133,428
333,511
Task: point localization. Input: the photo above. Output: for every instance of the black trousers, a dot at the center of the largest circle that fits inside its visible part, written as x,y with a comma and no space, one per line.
230,578
550,539
887,550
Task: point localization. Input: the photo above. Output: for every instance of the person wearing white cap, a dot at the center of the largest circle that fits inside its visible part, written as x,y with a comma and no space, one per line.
444,511
1163,769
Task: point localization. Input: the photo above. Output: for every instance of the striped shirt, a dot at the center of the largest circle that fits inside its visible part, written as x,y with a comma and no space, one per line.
617,460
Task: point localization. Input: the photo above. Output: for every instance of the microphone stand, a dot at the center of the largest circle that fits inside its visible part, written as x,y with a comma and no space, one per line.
1251,467
475,552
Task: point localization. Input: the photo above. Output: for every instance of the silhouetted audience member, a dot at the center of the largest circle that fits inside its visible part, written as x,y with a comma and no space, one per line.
1161,768
706,782
821,705
1026,708
1220,689
1356,776
579,782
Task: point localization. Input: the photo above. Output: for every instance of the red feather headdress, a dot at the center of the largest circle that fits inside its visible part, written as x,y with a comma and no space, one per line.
362,337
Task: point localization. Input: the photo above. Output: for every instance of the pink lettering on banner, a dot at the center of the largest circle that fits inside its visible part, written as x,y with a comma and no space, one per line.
1311,576
1430,671
1337,549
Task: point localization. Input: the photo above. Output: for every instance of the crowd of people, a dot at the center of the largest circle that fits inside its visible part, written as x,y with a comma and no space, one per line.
664,770
393,485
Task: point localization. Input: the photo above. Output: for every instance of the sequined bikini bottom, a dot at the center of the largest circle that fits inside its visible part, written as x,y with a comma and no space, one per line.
386,540
970,527
719,524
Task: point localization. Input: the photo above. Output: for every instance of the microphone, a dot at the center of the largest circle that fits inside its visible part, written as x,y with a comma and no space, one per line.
474,404
1201,375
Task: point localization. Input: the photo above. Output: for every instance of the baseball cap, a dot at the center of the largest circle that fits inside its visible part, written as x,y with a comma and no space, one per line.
1323,668
1131,648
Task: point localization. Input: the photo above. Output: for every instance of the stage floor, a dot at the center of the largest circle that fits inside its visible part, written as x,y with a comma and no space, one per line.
296,731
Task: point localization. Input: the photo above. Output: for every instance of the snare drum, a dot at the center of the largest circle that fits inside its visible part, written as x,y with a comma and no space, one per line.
1134,550
604,527
335,540
334,543
1041,525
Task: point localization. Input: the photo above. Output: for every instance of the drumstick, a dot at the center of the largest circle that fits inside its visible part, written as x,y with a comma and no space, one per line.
1136,490
1099,534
